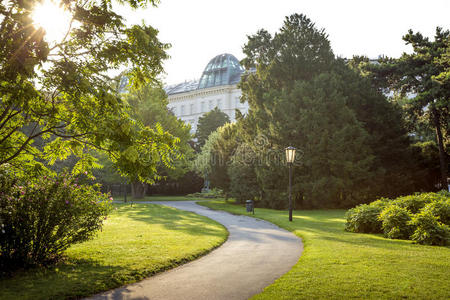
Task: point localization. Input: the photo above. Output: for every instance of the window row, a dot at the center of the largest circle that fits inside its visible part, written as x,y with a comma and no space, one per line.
190,109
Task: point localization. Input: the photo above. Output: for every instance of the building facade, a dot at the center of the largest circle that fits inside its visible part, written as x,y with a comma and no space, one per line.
217,87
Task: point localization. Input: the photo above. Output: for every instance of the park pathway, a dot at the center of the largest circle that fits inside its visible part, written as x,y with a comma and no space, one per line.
256,253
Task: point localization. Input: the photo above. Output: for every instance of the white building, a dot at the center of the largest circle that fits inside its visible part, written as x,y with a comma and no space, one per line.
217,87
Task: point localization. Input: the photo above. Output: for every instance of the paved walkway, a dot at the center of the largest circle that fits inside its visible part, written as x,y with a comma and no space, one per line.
255,254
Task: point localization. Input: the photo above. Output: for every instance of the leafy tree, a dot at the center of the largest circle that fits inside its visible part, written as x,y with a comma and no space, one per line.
223,149
389,141
301,95
204,160
61,92
149,106
424,75
241,171
208,123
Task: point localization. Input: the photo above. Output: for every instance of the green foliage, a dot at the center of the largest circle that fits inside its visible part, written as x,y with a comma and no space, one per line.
427,156
223,149
395,222
424,73
352,143
428,229
51,108
364,218
213,193
440,208
414,203
40,218
243,182
424,218
205,159
208,123
148,105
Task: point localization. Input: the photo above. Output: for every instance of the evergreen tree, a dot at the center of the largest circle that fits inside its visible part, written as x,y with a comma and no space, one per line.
423,74
208,123
301,95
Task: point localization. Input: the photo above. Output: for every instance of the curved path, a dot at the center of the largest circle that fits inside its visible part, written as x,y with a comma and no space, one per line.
255,254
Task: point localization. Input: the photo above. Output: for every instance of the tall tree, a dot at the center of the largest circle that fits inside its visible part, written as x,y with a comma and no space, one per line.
60,90
208,123
423,75
223,149
148,105
301,95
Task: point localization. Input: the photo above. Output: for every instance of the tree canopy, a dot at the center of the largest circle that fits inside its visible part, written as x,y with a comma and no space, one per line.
208,123
351,139
422,78
61,91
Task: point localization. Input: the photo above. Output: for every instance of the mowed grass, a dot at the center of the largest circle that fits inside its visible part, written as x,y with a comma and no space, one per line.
135,243
340,265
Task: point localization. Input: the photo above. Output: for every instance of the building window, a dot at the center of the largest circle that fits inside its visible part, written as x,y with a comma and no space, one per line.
211,104
219,103
237,102
174,110
192,108
203,106
182,110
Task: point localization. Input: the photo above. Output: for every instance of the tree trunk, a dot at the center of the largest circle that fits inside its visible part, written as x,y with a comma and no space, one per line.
138,190
442,153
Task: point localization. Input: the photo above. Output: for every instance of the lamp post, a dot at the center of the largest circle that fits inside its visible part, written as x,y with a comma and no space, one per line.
290,157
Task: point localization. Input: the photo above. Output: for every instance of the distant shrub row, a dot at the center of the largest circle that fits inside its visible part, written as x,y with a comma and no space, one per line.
423,218
211,194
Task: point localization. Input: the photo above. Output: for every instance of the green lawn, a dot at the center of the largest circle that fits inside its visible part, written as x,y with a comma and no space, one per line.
343,265
135,242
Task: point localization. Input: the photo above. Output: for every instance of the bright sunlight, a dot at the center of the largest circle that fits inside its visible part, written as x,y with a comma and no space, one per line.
53,19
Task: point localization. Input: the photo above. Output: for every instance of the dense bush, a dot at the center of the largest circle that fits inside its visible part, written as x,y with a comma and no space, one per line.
428,229
414,203
441,209
395,222
40,218
363,218
211,194
423,218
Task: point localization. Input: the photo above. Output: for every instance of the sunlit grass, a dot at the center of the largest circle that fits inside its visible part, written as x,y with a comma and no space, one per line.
341,265
136,242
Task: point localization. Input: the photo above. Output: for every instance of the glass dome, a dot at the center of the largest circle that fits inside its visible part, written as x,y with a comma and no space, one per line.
223,69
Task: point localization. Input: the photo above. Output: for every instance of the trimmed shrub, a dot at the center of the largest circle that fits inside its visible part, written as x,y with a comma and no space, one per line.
396,222
440,209
414,203
428,229
424,218
41,218
364,218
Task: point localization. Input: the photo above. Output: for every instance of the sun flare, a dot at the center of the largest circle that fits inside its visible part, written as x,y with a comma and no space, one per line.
53,18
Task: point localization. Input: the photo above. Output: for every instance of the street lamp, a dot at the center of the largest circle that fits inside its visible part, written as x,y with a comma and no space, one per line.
290,157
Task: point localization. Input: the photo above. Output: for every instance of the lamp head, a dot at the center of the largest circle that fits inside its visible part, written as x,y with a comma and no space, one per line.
290,154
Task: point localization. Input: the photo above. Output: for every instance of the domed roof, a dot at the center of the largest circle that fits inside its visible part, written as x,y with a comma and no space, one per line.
223,69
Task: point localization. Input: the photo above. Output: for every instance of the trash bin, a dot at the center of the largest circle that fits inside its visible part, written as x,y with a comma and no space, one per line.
249,206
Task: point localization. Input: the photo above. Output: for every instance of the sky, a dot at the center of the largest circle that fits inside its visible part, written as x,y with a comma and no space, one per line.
198,30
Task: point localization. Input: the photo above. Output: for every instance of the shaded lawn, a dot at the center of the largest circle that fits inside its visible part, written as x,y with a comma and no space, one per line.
340,265
135,243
